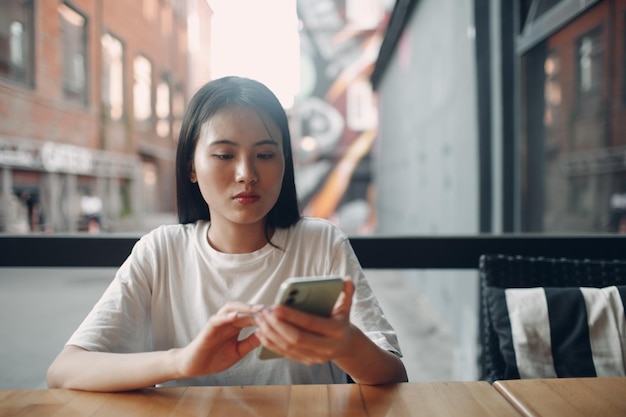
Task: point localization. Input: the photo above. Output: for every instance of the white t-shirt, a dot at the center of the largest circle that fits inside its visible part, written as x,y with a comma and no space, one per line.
173,281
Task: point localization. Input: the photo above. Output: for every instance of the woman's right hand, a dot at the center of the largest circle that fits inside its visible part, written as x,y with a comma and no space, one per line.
216,347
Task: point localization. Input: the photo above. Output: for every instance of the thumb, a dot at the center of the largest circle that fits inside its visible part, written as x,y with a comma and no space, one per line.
344,302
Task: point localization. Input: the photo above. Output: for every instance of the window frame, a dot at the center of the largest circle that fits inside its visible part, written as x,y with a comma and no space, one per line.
75,96
28,44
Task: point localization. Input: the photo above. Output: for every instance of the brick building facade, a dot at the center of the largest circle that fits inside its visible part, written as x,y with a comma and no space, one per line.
92,94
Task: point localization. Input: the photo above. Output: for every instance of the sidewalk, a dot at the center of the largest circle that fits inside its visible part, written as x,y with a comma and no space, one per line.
426,347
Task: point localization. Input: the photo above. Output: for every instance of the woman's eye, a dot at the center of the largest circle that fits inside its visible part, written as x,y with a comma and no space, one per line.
268,155
223,156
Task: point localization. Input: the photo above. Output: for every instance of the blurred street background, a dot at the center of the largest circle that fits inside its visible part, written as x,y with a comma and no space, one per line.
408,118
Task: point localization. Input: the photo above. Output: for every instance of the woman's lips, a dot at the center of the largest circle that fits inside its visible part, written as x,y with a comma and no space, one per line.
246,198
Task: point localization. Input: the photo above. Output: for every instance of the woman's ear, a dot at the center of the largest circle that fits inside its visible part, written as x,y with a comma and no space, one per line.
192,174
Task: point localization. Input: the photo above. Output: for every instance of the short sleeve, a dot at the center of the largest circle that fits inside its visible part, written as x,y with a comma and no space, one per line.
120,321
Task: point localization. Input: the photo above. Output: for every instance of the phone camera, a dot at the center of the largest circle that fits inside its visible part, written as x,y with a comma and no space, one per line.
291,297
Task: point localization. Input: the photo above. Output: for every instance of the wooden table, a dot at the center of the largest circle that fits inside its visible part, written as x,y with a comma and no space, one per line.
567,397
457,399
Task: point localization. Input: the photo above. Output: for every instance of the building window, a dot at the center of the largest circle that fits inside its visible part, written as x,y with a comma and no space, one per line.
142,89
112,76
16,41
552,91
74,44
178,110
149,186
589,62
163,109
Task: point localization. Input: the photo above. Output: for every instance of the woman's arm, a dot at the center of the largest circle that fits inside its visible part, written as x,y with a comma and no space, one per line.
78,368
215,349
367,363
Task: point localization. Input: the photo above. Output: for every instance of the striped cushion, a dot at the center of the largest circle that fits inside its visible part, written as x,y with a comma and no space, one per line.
560,332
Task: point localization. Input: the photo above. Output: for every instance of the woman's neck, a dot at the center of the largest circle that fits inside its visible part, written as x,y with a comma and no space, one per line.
238,238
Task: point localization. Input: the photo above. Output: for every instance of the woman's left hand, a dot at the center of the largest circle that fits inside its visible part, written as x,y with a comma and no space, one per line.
308,338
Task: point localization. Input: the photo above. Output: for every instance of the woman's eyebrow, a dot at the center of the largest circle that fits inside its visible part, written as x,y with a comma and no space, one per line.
266,142
232,143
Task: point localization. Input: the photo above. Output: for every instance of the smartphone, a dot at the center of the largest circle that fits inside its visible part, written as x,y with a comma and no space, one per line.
314,295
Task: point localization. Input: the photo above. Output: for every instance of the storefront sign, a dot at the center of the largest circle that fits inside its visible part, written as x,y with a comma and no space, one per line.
58,157
18,158
64,158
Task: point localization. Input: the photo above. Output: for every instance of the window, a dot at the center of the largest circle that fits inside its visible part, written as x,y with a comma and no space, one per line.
178,110
112,76
589,62
16,41
163,109
150,180
572,123
74,44
142,89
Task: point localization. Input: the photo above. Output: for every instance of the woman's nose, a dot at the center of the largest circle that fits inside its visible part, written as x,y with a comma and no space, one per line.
246,171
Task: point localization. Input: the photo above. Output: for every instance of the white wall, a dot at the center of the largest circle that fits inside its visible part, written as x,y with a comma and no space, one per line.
426,162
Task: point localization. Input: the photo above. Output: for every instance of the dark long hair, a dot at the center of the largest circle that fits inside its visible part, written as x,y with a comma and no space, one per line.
212,97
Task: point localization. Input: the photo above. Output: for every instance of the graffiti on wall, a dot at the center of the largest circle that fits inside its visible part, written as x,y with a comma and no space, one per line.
336,109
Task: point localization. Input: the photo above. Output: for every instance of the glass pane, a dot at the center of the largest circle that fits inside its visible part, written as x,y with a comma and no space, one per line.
73,33
163,109
46,305
142,88
16,29
112,76
573,139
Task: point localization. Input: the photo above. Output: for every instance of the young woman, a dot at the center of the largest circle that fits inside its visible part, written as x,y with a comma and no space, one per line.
187,306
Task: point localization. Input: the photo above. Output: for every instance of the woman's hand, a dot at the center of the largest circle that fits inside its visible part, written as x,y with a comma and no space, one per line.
216,347
308,338
312,339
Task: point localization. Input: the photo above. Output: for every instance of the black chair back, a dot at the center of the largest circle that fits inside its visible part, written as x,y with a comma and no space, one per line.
510,271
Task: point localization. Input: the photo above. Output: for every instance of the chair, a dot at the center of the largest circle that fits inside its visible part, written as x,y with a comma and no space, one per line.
555,276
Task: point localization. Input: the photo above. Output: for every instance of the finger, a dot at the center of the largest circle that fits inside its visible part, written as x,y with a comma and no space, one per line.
241,308
314,336
301,321
272,332
344,302
233,319
247,345
306,351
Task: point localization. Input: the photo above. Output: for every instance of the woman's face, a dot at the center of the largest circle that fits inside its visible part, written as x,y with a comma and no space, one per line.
239,166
